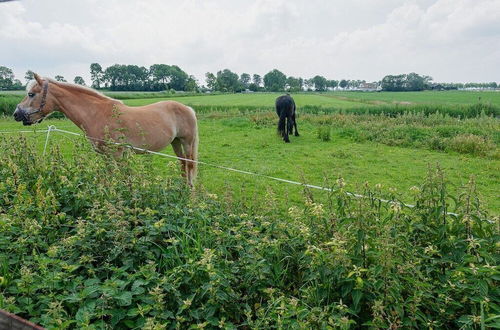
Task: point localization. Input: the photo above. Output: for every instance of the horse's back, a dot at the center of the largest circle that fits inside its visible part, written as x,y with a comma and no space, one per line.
285,103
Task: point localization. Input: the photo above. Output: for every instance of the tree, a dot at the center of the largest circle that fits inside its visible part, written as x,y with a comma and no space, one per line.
60,78
161,75
343,83
191,85
211,80
29,76
115,76
245,80
275,81
332,83
17,84
79,81
178,78
319,83
96,75
256,83
294,84
227,81
257,80
405,82
6,78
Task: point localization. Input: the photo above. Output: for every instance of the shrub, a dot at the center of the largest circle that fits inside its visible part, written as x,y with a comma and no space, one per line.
471,144
324,133
86,241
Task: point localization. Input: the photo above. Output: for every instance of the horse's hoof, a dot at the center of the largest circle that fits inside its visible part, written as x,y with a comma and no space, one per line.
287,141
297,134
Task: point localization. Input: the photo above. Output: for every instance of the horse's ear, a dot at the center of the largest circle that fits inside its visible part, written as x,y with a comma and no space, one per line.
38,79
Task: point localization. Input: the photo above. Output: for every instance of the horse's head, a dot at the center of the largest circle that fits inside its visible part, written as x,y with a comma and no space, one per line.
37,104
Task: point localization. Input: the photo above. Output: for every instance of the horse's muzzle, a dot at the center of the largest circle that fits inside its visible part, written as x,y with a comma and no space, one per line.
22,115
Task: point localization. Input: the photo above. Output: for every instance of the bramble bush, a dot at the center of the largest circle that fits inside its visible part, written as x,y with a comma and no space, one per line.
87,241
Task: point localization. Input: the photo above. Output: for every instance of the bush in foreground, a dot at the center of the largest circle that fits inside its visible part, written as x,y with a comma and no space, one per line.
90,242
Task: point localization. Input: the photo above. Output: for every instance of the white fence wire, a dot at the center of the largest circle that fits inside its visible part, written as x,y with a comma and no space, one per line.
53,128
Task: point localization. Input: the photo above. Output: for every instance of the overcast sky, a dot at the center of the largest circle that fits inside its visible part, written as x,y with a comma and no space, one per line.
450,40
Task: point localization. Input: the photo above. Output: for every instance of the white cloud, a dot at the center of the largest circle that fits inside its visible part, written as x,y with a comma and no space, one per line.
452,40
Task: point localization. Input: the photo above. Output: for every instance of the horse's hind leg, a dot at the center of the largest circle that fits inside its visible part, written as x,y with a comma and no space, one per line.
295,124
187,145
177,146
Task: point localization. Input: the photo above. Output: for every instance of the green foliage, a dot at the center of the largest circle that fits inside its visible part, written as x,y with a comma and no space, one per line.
82,248
274,81
324,133
8,103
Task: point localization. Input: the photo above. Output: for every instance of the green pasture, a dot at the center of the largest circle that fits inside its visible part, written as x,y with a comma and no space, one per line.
264,100
344,100
424,97
250,143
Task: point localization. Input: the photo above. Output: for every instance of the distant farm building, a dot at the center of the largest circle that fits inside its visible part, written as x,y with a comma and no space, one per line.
368,87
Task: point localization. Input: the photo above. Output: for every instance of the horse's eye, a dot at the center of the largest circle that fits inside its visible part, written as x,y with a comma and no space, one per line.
31,94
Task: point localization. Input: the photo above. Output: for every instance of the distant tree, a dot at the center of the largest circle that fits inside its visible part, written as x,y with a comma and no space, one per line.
343,83
257,80
245,80
29,75
308,85
294,84
227,81
211,80
405,82
114,76
275,81
319,83
79,81
332,83
6,78
256,83
191,84
414,82
178,78
17,84
60,78
96,75
160,73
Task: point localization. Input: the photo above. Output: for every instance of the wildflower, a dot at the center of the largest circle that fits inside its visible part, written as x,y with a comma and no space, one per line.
341,183
473,268
212,196
395,207
431,250
378,186
317,209
294,212
415,189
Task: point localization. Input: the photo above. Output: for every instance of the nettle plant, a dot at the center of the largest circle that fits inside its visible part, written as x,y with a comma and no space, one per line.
87,241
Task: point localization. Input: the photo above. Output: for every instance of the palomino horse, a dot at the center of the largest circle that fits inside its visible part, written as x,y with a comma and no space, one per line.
105,120
285,108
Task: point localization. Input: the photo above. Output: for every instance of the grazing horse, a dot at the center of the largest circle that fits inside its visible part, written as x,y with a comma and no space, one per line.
106,121
285,108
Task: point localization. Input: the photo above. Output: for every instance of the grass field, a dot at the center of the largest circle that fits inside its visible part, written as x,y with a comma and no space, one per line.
89,242
250,143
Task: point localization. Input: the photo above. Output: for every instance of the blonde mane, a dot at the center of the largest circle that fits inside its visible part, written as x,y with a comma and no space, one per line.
83,89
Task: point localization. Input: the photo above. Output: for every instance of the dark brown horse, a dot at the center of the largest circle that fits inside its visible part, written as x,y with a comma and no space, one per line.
285,108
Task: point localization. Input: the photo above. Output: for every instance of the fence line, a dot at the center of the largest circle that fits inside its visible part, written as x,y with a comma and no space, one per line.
53,128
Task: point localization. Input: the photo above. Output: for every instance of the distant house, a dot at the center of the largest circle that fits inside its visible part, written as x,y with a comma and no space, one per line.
368,87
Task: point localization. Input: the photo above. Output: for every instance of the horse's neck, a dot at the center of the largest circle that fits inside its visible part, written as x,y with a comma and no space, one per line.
83,111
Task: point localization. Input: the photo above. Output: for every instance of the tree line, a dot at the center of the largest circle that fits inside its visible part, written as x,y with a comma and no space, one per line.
161,77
